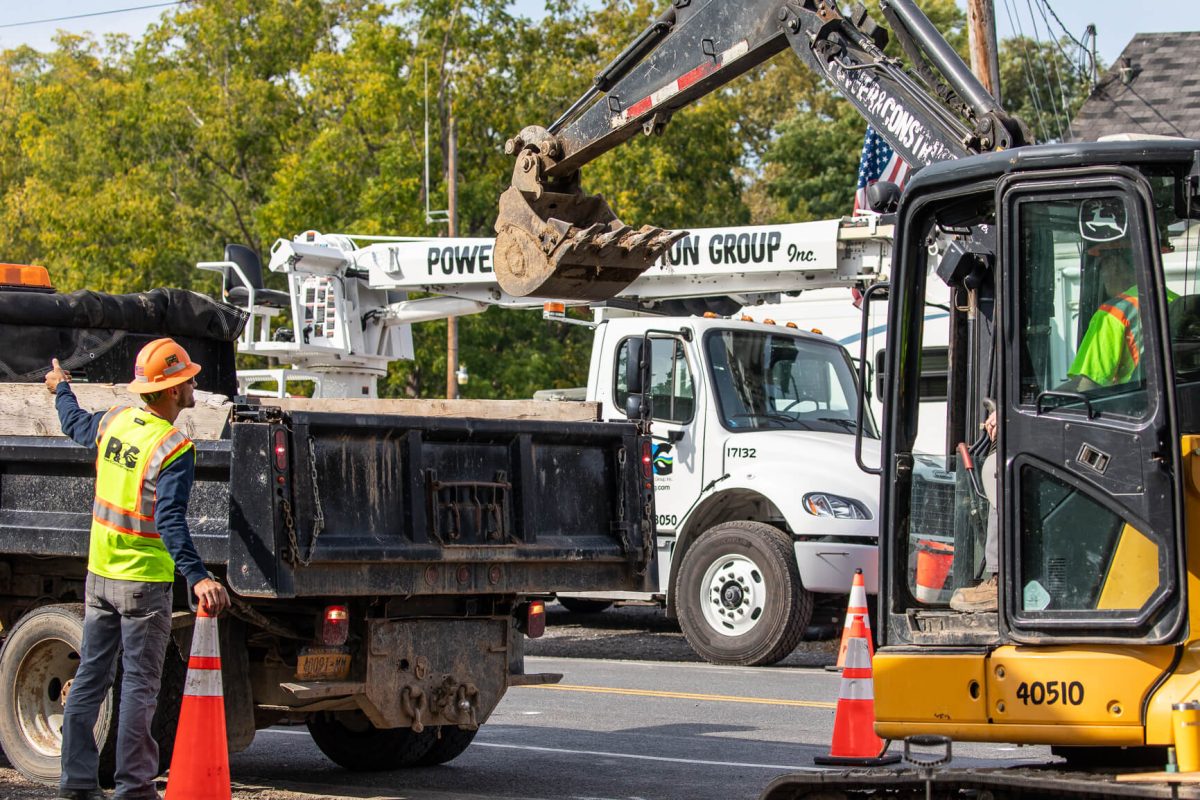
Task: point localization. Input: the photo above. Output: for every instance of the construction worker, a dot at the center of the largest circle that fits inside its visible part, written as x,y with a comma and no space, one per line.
1110,352
139,537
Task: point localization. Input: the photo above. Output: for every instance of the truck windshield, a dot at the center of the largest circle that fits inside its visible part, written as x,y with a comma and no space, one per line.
769,381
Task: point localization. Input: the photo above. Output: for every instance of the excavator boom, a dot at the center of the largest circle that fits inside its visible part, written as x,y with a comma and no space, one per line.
553,239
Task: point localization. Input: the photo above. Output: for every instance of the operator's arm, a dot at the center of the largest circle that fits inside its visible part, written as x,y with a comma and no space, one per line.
172,493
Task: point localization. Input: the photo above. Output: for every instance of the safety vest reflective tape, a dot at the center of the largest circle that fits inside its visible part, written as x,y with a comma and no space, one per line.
133,448
1124,309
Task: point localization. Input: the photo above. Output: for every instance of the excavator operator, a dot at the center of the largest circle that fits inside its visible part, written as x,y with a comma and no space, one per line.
1110,352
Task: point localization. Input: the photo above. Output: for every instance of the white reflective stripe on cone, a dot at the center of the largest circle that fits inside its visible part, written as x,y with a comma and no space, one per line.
858,597
857,689
203,683
204,639
857,655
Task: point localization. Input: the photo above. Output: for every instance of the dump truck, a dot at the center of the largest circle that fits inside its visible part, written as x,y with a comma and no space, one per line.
377,552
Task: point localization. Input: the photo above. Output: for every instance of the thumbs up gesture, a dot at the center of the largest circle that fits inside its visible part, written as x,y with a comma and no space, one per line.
56,375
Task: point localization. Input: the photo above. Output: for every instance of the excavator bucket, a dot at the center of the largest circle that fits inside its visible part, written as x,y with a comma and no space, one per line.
570,246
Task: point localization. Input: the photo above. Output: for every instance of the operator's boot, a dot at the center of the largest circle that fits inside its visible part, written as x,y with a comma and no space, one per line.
976,598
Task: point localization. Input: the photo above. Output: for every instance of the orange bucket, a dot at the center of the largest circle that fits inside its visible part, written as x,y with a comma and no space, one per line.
934,560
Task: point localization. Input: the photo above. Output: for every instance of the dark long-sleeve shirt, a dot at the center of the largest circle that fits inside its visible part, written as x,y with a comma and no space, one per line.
172,492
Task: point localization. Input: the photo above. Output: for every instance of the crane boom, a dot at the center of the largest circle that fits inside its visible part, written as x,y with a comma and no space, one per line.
555,240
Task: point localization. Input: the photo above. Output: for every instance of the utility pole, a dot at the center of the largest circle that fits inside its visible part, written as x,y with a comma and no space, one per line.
981,34
452,204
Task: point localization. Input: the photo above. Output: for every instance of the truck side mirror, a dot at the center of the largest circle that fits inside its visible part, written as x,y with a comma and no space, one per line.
633,367
637,406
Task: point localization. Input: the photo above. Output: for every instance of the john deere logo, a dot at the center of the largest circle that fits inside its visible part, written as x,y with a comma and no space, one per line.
664,462
172,360
121,454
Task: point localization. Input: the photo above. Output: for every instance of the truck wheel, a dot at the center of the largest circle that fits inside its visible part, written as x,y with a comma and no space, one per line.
582,605
350,740
739,596
449,742
38,661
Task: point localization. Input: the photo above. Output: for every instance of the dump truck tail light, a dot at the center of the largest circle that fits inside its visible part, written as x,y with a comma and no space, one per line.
280,449
535,619
335,627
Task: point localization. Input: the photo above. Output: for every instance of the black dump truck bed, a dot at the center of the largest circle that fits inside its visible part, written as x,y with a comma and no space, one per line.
317,504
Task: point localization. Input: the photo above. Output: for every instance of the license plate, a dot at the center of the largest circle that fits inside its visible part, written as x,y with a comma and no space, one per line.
322,665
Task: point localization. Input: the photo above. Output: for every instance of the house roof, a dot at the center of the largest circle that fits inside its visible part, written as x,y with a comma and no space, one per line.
1153,88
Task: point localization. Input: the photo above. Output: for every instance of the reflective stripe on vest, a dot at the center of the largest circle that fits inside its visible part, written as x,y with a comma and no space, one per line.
1124,309
134,446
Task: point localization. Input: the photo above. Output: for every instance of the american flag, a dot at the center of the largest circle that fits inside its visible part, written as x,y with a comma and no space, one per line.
878,162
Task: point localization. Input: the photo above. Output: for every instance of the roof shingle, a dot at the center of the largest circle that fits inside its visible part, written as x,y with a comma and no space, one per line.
1153,88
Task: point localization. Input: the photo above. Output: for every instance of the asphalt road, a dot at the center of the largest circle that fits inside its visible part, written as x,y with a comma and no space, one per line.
627,726
611,729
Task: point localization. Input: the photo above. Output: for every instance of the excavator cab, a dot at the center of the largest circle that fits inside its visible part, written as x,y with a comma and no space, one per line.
1073,286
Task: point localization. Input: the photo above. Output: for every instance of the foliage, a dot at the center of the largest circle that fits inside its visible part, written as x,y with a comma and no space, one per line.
124,162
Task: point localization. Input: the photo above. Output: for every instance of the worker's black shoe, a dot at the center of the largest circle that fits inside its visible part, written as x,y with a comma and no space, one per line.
81,794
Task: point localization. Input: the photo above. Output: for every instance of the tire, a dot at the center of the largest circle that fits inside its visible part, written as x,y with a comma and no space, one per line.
449,742
739,597
38,661
582,605
349,740
37,664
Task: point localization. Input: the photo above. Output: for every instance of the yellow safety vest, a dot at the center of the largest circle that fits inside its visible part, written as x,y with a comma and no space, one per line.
134,446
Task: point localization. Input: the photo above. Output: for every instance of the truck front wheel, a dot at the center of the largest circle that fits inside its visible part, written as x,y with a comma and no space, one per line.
739,596
38,664
350,740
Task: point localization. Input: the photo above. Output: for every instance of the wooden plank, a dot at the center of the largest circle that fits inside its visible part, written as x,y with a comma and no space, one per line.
1160,777
27,409
547,410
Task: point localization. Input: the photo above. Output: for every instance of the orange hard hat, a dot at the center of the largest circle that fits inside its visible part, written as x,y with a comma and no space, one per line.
161,365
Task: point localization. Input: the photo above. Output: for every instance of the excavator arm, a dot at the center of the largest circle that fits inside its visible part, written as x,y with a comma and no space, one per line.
553,240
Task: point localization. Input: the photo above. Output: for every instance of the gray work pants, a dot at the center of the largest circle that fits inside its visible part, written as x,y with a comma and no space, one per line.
136,616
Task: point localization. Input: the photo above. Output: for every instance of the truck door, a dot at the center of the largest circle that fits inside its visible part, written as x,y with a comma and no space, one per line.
677,430
1090,554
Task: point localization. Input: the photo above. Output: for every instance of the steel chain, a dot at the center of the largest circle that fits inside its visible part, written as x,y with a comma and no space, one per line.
319,515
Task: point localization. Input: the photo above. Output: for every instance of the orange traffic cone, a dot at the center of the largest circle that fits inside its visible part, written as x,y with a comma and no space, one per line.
854,739
856,606
200,763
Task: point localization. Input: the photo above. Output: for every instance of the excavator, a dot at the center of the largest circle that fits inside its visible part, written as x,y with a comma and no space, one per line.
1073,272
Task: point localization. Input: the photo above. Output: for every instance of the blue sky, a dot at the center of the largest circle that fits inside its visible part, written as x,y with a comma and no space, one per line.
1116,20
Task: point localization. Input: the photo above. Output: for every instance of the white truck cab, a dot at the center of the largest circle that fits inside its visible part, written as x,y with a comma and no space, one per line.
760,503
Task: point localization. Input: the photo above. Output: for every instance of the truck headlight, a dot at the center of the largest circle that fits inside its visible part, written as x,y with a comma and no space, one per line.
821,504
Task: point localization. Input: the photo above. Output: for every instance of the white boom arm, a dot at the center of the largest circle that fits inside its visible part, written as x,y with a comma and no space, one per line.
349,294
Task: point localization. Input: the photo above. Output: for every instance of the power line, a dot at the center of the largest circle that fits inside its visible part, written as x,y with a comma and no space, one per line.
92,14
1040,124
1037,37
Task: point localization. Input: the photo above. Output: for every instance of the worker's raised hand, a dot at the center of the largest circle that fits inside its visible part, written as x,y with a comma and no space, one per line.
212,596
56,375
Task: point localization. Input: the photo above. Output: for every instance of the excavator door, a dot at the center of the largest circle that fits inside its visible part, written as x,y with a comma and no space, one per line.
1090,513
